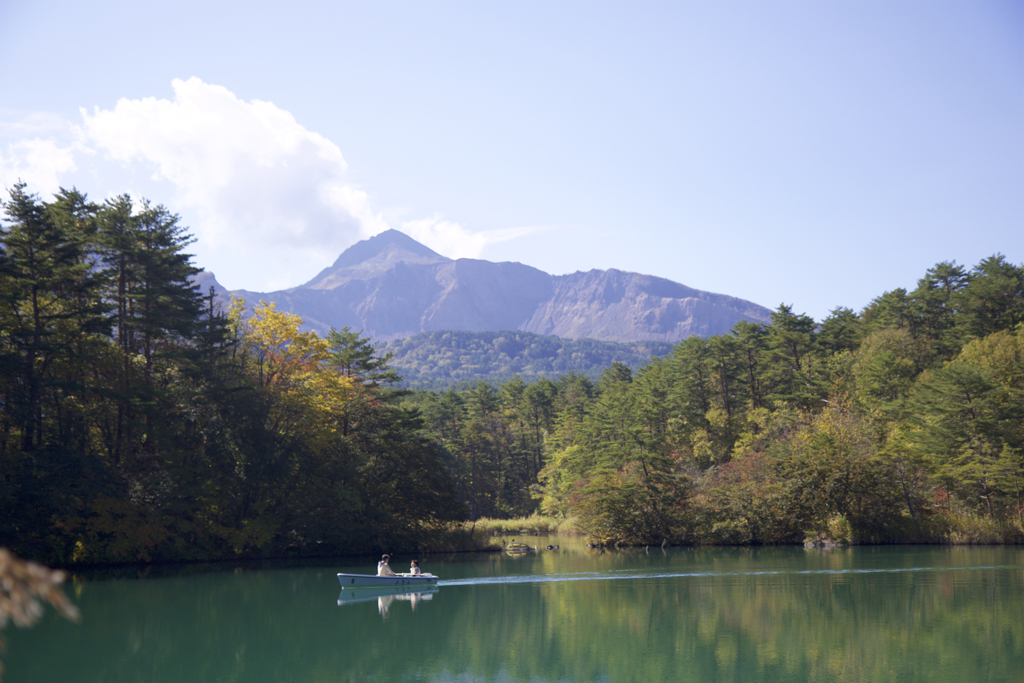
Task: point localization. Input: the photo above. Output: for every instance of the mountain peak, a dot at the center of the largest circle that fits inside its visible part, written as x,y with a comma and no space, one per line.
388,241
373,256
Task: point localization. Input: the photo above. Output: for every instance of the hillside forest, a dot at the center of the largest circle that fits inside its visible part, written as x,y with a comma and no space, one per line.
457,359
143,420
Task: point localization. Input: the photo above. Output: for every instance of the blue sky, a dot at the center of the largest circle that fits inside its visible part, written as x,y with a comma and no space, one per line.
808,153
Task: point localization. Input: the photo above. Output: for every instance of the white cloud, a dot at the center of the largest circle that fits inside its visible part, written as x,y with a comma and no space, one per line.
35,123
39,162
446,238
250,172
268,200
454,241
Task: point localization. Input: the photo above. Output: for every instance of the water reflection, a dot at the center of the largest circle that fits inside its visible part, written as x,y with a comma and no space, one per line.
567,616
626,574
384,596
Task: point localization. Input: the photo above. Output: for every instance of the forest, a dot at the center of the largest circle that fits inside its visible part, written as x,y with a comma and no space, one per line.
901,423
142,420
456,359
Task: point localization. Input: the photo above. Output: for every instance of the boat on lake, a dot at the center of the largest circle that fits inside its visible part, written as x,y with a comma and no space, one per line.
365,580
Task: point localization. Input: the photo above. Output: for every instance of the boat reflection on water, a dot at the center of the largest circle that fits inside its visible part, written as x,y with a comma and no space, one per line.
386,595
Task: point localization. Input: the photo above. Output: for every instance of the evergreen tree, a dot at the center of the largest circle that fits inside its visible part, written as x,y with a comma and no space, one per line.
52,308
891,309
994,300
356,357
840,331
936,303
752,347
791,363
157,316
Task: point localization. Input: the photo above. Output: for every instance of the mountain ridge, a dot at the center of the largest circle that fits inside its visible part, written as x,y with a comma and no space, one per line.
391,287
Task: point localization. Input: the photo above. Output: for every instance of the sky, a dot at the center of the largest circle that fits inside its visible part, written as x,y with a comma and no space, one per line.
814,154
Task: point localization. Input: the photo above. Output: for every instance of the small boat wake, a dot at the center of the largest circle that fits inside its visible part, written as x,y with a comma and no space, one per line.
633,575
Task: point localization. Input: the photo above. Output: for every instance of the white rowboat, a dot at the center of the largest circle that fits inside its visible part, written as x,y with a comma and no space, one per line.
364,580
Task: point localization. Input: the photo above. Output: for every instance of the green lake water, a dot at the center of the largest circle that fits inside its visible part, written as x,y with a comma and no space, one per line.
567,615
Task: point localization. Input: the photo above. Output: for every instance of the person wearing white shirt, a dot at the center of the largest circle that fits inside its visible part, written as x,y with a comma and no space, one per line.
382,567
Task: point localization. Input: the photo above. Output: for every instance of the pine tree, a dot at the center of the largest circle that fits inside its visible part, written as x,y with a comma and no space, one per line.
51,307
994,299
157,316
791,361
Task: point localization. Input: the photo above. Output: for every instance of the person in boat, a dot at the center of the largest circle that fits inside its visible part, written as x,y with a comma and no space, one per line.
415,568
382,567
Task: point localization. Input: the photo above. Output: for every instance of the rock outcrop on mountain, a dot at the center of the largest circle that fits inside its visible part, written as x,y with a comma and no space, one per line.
391,286
613,305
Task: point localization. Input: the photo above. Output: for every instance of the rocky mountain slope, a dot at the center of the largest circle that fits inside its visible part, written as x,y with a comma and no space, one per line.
391,287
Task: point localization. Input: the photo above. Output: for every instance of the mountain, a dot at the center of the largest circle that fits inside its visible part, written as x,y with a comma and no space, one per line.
391,287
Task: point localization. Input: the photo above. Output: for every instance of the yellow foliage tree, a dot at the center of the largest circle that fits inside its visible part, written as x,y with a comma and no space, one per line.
293,364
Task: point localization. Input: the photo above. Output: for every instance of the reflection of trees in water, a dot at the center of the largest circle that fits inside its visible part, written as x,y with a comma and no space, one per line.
834,627
842,627
285,626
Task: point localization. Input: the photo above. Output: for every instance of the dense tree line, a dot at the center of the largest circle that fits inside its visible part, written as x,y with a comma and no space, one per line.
458,359
143,420
140,420
902,422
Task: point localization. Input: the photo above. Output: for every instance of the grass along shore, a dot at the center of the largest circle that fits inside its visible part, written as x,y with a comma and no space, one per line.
950,527
534,524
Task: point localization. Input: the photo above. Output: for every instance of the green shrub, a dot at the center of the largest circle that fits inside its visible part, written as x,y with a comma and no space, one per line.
839,530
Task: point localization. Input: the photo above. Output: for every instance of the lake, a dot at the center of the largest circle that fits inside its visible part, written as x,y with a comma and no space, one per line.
910,613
